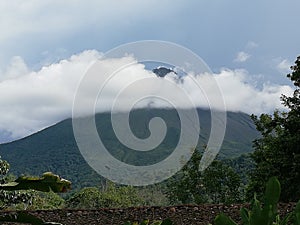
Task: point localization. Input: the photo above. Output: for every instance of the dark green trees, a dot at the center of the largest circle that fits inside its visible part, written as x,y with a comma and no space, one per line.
277,152
186,186
112,196
219,183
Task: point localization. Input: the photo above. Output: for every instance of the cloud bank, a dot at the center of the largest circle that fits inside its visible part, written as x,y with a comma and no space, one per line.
33,100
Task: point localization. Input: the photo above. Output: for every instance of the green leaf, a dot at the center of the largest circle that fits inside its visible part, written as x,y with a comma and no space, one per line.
272,194
285,219
297,214
255,216
224,220
245,216
273,190
127,223
145,222
167,222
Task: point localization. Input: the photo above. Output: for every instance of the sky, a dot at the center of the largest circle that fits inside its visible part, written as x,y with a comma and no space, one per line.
47,46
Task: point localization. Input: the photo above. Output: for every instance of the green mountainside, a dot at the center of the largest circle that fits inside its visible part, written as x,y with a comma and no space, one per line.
54,148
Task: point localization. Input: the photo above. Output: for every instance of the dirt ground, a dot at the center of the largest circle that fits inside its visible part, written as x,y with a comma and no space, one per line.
180,215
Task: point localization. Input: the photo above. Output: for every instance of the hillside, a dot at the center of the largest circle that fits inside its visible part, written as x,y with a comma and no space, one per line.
54,148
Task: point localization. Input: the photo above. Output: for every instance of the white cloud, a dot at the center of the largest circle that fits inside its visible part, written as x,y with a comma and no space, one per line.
239,95
284,66
17,67
242,57
251,45
32,100
35,100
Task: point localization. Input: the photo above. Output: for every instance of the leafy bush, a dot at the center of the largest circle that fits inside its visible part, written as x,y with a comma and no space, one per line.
153,195
266,214
46,200
15,199
23,190
111,196
12,199
86,198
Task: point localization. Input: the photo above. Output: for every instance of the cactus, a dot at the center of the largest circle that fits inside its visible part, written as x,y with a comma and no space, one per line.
266,215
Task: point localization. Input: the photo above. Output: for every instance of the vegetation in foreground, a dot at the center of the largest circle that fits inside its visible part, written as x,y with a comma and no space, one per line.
49,182
266,213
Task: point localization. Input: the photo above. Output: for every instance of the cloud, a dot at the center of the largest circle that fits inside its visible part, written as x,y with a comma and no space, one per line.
33,100
242,57
240,95
284,66
16,67
251,45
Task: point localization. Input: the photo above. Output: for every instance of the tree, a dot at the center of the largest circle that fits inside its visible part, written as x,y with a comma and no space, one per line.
219,183
222,183
277,152
186,186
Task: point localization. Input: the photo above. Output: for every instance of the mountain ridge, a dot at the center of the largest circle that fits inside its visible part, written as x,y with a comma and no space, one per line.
54,148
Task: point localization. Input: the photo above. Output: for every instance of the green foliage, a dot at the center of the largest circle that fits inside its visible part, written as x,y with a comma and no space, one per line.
46,200
30,200
242,165
218,183
111,196
297,214
122,196
22,217
153,195
147,222
15,199
277,152
266,214
86,198
186,186
11,198
222,219
4,167
221,183
12,194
